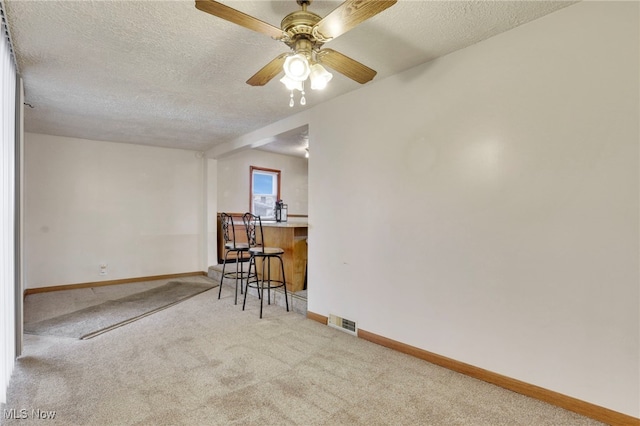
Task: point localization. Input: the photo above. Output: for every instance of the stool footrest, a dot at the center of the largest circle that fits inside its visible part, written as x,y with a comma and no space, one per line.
238,275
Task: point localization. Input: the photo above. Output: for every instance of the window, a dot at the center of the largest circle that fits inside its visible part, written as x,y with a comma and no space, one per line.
264,192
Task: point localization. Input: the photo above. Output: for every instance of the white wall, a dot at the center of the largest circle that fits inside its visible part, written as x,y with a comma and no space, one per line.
138,209
233,180
484,206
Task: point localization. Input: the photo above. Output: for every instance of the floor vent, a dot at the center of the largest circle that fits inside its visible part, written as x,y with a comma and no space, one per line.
343,324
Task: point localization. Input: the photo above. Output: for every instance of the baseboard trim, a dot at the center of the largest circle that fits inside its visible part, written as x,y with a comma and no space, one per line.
110,282
317,317
584,408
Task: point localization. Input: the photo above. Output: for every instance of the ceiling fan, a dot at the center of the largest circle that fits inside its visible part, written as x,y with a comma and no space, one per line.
305,33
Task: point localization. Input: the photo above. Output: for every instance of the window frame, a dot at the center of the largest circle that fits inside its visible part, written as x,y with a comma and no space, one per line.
264,170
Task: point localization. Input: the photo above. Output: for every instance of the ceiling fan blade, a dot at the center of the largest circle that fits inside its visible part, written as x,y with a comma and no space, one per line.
232,15
269,71
347,66
348,15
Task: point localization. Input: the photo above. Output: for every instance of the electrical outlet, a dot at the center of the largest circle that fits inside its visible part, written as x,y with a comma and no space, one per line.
103,269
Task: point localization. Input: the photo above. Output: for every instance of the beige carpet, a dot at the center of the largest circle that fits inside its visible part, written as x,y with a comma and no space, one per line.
206,362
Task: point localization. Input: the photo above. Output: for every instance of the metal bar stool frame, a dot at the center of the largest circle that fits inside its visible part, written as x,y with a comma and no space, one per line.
257,249
241,250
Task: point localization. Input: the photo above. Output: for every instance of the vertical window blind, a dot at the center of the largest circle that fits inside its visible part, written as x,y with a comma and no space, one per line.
8,76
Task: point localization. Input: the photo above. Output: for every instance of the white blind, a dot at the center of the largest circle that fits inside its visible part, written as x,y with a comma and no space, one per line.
7,211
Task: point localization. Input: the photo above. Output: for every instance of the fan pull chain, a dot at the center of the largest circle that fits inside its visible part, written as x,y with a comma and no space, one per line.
303,100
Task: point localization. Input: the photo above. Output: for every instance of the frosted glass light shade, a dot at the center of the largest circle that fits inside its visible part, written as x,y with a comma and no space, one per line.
291,84
296,67
319,77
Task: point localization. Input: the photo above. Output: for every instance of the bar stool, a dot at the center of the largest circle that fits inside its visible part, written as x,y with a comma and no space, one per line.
257,250
239,249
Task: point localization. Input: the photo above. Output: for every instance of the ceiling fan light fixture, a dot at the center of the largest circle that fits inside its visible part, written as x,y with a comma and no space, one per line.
304,32
319,77
291,84
296,67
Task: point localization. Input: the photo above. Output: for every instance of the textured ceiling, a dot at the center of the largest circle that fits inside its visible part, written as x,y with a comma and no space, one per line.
166,74
294,142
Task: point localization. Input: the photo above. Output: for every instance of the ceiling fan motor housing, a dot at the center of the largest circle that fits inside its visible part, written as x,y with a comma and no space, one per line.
299,26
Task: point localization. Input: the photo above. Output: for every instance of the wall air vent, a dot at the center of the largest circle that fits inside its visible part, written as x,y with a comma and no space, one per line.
343,324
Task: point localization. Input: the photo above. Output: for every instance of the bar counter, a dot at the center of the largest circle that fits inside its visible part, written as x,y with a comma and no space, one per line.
292,238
